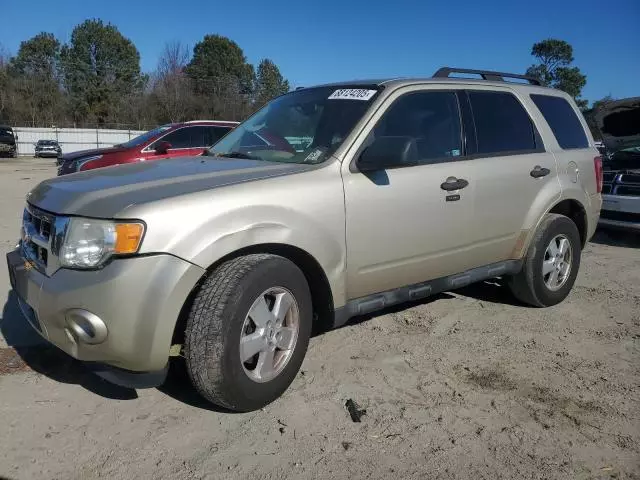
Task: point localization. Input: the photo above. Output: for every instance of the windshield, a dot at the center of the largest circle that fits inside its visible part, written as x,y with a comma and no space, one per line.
139,140
304,126
47,142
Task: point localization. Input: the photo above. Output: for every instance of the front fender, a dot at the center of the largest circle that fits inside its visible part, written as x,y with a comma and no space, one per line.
239,229
303,210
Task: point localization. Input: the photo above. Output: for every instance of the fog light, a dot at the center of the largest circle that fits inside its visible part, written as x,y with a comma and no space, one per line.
85,326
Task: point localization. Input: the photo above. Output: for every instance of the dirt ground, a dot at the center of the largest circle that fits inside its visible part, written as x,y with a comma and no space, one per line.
468,384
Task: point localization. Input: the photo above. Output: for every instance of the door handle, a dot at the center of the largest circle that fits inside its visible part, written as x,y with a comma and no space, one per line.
453,183
539,172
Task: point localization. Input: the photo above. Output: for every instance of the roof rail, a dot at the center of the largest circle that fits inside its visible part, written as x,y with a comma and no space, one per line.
445,72
212,121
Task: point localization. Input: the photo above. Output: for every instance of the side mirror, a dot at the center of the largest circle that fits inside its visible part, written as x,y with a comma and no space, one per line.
162,147
388,152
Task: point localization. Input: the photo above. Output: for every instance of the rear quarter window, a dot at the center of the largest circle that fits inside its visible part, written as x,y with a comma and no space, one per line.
562,120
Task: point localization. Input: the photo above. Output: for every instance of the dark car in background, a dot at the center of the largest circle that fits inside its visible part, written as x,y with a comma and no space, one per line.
167,141
619,124
8,140
47,148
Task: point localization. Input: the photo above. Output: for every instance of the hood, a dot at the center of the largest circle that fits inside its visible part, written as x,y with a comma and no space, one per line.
90,153
619,123
104,192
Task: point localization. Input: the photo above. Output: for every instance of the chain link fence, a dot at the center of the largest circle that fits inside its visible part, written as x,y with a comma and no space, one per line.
72,139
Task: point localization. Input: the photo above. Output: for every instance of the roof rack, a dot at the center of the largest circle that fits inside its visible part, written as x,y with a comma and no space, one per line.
212,121
445,72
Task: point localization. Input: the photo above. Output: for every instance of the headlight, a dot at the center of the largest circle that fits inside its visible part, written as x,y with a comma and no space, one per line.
90,243
81,161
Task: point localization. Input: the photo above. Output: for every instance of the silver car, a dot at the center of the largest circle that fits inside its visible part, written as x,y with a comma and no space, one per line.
47,148
399,189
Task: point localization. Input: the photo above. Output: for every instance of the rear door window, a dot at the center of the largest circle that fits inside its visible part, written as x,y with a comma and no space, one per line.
502,124
213,134
562,120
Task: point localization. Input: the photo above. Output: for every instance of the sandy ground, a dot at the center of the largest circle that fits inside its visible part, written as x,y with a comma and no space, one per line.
466,385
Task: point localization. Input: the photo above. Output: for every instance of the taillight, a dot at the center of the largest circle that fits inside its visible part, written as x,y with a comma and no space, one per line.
597,164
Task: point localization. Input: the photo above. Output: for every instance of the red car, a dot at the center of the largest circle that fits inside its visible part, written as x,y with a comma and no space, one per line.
174,140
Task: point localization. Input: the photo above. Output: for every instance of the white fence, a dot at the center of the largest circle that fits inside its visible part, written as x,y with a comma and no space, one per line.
71,139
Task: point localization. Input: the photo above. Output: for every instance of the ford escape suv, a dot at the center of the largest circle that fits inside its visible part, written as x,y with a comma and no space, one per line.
395,190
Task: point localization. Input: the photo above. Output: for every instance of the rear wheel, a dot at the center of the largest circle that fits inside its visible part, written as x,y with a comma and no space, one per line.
551,264
248,331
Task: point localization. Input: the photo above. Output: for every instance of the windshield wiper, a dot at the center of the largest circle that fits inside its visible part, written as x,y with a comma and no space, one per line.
236,154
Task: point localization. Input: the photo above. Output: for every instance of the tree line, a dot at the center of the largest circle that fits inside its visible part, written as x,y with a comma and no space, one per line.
95,80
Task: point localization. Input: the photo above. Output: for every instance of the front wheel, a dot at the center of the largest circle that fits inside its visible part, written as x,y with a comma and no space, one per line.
551,265
248,331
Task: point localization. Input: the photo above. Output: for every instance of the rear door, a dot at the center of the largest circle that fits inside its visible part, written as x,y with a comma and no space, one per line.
214,133
511,168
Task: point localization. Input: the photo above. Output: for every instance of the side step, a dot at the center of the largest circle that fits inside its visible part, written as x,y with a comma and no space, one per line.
378,301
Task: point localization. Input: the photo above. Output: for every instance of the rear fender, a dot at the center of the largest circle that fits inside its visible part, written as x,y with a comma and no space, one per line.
549,196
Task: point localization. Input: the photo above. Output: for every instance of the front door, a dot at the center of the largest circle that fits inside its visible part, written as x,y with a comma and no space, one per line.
182,142
403,225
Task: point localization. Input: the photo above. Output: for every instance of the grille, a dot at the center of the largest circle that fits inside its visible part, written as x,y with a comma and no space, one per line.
629,190
629,178
624,184
40,222
38,233
620,216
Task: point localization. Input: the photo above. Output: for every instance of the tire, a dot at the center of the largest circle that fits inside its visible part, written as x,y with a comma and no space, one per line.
530,285
220,316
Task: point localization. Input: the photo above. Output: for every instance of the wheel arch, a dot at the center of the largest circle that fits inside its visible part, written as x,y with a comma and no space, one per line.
321,294
574,210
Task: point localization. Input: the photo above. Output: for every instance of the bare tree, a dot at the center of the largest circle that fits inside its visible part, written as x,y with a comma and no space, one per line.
171,86
4,82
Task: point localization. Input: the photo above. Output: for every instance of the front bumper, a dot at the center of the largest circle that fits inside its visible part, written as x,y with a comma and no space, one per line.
138,299
48,153
66,167
6,148
619,211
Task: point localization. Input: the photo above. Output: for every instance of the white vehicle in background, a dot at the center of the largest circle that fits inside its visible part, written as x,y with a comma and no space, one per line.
619,123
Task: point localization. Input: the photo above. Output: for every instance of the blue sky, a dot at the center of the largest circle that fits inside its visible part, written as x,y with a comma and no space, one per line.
315,42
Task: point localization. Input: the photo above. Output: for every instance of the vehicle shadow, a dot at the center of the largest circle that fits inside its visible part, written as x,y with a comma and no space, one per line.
616,238
48,360
400,307
179,387
492,291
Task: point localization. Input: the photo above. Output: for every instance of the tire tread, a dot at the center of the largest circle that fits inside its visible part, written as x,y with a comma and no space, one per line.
205,330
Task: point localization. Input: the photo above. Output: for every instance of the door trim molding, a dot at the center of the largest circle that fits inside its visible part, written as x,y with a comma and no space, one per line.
378,301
